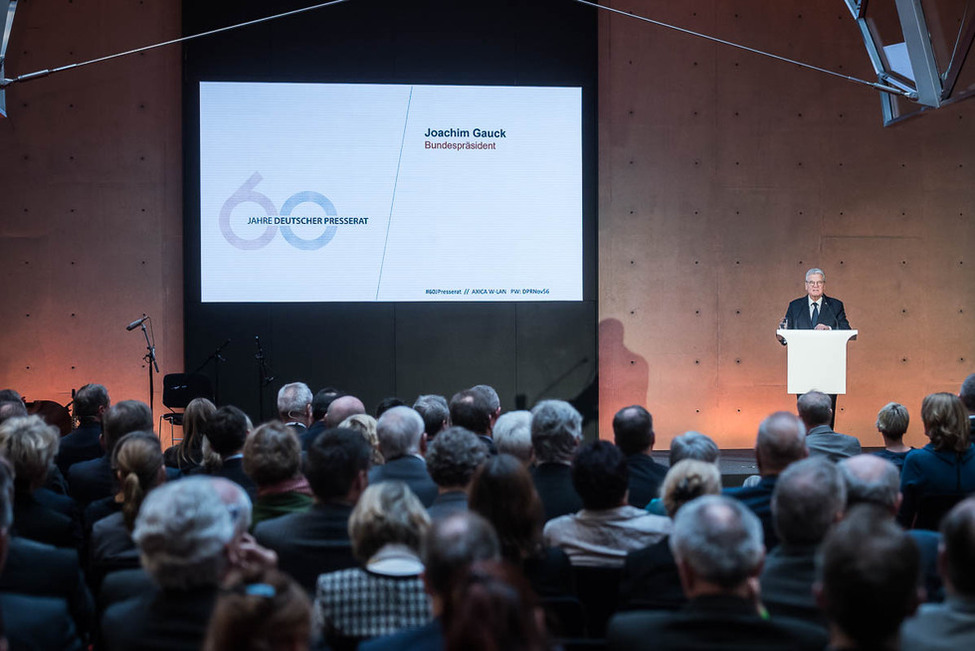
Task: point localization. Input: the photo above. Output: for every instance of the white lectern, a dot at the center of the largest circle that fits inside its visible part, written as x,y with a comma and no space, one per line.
817,359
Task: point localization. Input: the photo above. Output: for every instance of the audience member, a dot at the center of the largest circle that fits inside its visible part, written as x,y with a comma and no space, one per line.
81,444
945,467
269,611
493,401
717,543
502,491
472,409
386,594
435,412
809,498
689,445
294,406
449,548
556,433
227,431
892,421
816,412
29,621
607,527
967,395
341,408
187,455
512,435
317,541
319,409
272,459
388,403
12,408
650,578
95,479
868,582
634,436
452,459
951,625
366,425
401,441
781,441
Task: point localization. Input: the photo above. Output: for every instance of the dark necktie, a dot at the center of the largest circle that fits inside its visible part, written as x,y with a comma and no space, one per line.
815,314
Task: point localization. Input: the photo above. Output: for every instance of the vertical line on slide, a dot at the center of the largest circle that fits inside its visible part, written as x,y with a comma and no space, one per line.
392,201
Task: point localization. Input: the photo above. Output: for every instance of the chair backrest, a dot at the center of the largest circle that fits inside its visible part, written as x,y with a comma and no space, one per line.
598,589
180,388
933,507
565,616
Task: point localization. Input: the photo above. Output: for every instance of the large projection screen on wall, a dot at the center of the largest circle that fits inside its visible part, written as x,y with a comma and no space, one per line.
390,192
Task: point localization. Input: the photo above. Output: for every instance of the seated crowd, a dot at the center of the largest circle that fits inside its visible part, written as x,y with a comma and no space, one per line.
452,525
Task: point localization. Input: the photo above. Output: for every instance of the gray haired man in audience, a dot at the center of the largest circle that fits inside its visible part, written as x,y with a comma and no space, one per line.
294,406
513,435
435,412
401,440
556,434
452,459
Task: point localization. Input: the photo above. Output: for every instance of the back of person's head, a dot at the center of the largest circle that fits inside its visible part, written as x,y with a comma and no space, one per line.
452,544
30,445
688,480
181,531
869,574
967,393
399,431
808,499
268,612
88,401
815,409
454,456
388,403
272,454
6,498
781,441
490,396
693,445
195,418
492,607
341,408
387,513
138,461
471,410
958,548
12,409
503,492
335,459
720,539
871,480
633,430
293,401
321,401
10,395
366,425
600,475
435,412
227,430
946,422
513,434
556,431
892,420
124,417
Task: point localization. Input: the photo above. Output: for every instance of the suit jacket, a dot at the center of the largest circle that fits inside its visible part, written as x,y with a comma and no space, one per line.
831,313
708,623
233,469
941,627
47,518
159,620
823,441
646,475
428,637
310,543
488,443
447,504
553,481
787,581
92,480
410,470
41,623
81,444
308,436
759,499
650,579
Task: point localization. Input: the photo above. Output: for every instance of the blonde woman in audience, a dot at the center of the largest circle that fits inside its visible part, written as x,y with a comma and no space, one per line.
366,425
188,453
892,422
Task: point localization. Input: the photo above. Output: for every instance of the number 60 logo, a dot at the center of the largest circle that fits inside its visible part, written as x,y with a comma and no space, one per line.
246,194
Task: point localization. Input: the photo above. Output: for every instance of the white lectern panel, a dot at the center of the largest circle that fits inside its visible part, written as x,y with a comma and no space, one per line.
817,359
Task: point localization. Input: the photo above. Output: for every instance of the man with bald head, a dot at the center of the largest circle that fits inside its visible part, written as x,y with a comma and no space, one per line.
341,408
402,441
781,441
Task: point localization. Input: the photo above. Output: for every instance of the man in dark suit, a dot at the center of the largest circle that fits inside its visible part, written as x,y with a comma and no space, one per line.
474,410
401,440
319,407
435,412
556,435
717,544
317,541
227,432
90,404
633,432
781,441
817,414
452,459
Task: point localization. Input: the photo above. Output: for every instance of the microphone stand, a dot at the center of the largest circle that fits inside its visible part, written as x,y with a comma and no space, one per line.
150,358
217,358
264,376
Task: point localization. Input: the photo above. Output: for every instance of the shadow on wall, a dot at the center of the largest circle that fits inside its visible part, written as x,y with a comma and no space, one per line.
624,376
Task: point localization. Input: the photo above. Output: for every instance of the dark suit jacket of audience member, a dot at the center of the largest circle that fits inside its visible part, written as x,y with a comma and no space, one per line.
709,623
787,580
550,573
646,475
233,469
310,543
928,543
47,517
447,504
410,470
309,435
488,443
41,570
81,444
428,637
650,579
160,619
553,481
92,480
759,499
38,623
822,440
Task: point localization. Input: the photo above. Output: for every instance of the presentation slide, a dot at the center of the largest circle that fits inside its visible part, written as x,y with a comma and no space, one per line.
365,192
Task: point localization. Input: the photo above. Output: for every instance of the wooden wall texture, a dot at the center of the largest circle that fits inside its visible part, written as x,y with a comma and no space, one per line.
725,175
91,187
